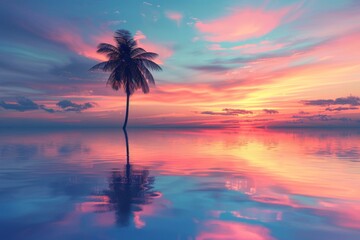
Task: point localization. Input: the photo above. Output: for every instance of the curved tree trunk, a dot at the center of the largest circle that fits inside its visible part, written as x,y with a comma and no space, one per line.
127,148
127,109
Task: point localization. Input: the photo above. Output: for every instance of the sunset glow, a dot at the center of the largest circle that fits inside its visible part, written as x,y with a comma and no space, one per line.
229,64
180,120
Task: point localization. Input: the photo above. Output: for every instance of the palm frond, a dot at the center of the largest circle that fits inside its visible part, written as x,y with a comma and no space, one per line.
145,87
124,40
114,56
137,51
149,64
121,36
129,64
105,66
140,79
147,55
147,74
112,81
107,48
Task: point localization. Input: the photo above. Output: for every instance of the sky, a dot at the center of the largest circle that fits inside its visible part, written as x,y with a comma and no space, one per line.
226,63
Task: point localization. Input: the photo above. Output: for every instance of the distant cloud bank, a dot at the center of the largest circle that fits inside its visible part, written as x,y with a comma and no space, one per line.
350,100
23,104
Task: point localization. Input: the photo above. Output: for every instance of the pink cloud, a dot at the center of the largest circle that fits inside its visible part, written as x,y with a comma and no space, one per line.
163,50
330,23
139,36
242,24
215,47
75,42
263,46
175,16
253,48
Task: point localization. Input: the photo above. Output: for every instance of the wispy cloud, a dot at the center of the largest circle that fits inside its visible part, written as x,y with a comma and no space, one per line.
242,24
69,106
237,111
164,50
253,48
322,117
303,113
210,68
74,42
270,111
174,16
228,112
341,109
147,3
23,104
350,100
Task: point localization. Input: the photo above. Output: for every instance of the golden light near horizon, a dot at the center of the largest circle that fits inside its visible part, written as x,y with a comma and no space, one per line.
281,55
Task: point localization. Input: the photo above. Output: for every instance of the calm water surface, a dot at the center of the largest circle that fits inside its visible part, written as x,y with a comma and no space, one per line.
180,184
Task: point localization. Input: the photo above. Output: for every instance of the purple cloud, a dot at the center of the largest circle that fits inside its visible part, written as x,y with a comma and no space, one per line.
303,113
341,109
229,112
321,117
270,111
210,68
218,113
350,100
69,106
237,111
23,104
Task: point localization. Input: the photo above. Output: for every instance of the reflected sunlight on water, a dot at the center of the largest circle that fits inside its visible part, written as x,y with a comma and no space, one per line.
180,184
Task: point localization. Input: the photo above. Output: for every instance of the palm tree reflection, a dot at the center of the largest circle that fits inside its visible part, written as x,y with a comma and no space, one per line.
129,189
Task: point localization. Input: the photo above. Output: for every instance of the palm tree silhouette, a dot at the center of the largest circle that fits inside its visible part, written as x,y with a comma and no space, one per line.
129,66
129,189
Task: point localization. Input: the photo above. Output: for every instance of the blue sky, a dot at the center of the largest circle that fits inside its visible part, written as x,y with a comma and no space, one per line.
216,55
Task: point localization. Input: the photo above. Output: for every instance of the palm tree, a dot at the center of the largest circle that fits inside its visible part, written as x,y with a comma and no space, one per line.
129,66
129,190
